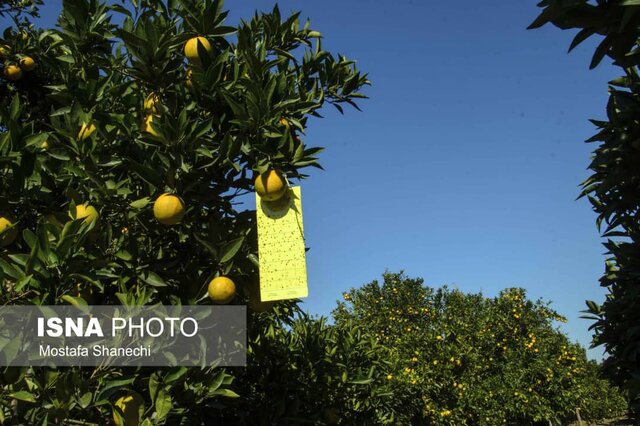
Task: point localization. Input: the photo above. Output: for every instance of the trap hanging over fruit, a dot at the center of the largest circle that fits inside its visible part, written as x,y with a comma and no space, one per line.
281,249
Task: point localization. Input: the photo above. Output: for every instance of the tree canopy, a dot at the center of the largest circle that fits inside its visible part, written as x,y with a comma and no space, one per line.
613,188
127,133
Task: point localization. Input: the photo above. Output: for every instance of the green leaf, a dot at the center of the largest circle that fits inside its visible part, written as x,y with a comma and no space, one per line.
66,58
22,282
222,31
216,382
78,302
141,203
163,404
207,245
9,270
580,37
231,249
36,139
20,259
594,308
85,400
361,381
227,393
147,174
601,51
23,396
61,111
154,279
170,378
10,350
14,109
254,259
153,385
30,238
113,386
124,255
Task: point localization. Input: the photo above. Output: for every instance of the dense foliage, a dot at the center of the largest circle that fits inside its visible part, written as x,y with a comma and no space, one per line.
101,115
459,358
614,186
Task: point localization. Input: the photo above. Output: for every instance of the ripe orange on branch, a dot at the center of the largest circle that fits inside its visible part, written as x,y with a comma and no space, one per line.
130,405
169,209
152,103
285,123
86,212
221,290
10,235
86,130
12,72
191,50
148,128
188,78
27,63
271,186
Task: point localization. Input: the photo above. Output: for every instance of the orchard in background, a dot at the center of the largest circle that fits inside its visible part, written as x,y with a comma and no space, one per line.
465,359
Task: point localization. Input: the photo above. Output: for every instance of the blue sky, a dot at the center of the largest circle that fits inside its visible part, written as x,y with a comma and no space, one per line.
464,166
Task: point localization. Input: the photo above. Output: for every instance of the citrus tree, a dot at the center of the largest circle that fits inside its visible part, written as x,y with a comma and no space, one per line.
331,376
127,134
614,187
457,358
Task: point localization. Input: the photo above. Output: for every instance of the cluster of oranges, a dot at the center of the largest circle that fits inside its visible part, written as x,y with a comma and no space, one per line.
16,63
532,341
566,356
9,230
168,209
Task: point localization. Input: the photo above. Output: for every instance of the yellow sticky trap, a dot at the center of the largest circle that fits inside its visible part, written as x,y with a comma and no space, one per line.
281,251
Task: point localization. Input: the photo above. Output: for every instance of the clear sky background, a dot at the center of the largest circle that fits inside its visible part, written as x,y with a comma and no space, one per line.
464,166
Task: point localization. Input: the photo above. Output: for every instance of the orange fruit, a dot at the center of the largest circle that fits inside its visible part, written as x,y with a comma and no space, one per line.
221,290
27,63
12,72
152,103
86,131
87,212
4,51
191,49
132,407
10,235
148,127
168,209
187,78
271,186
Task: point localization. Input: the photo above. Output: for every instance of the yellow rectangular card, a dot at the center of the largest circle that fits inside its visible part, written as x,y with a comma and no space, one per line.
281,249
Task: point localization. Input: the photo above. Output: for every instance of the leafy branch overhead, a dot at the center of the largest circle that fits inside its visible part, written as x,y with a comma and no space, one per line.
614,186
